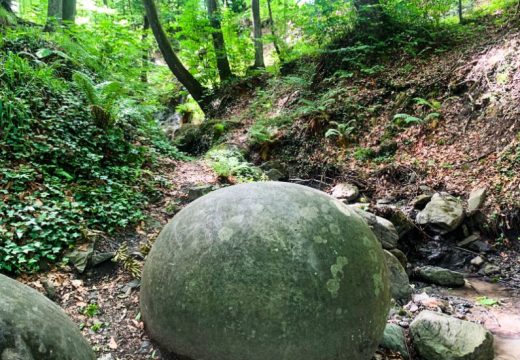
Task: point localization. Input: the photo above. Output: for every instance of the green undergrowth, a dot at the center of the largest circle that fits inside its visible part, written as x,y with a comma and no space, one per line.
77,149
229,163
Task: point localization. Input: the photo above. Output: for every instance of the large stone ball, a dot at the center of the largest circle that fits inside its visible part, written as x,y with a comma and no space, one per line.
34,328
266,271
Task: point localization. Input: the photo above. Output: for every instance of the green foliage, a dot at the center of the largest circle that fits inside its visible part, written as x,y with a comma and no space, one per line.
228,162
63,178
364,154
485,301
91,310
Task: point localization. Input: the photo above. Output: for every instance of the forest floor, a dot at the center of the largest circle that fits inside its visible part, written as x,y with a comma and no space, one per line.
474,143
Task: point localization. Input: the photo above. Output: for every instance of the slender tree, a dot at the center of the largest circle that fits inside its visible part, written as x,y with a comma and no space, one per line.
196,90
257,33
145,57
224,70
461,18
273,31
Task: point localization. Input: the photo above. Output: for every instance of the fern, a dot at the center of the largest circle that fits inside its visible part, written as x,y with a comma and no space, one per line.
85,84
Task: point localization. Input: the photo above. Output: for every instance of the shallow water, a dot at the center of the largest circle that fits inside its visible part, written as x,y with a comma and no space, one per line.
503,321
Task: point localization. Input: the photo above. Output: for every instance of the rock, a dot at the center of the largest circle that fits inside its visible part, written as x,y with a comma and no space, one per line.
80,257
490,269
394,339
274,175
441,337
50,289
383,229
275,170
477,261
400,256
420,201
34,328
100,257
468,240
444,213
399,282
402,223
480,246
266,271
198,191
476,199
440,276
345,192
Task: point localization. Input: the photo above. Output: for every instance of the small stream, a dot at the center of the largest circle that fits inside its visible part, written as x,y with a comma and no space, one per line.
503,320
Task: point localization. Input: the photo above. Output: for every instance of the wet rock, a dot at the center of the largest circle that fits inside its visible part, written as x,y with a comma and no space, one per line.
439,276
441,337
303,262
477,197
420,201
198,191
395,340
382,228
399,282
345,192
444,213
477,261
34,328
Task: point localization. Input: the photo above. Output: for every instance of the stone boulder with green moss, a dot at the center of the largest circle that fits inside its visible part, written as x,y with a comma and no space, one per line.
266,271
34,328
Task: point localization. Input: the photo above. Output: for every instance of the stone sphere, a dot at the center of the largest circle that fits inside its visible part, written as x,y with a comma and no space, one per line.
34,328
266,271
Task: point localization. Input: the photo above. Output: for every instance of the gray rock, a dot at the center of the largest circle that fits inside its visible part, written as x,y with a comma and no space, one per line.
441,337
394,339
490,269
274,174
345,191
399,282
444,213
34,328
80,257
440,276
420,201
477,197
480,246
468,240
196,192
100,257
477,261
266,271
383,229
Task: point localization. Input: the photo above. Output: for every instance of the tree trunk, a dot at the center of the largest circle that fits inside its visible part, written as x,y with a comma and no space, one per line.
6,4
257,33
273,31
196,90
461,19
54,14
69,10
219,45
146,26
